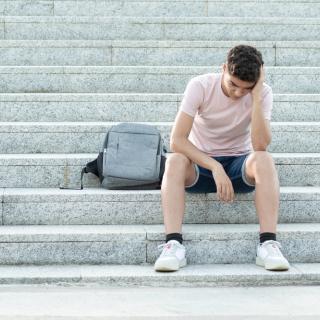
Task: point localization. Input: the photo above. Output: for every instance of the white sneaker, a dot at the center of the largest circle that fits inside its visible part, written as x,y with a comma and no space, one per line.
172,257
270,256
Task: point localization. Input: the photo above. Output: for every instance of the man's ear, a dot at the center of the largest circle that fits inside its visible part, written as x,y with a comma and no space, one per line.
224,67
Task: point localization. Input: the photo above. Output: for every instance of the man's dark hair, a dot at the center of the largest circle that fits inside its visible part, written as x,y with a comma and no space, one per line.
244,62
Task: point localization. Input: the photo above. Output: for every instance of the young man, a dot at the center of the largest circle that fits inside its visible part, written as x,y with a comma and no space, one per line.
219,142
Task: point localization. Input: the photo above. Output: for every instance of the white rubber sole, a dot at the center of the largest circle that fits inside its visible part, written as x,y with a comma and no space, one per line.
169,265
275,265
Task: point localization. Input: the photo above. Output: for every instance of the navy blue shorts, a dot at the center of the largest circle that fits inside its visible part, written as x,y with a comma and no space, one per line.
234,167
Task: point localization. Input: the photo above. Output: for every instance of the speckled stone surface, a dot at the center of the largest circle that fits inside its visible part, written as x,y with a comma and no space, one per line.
145,28
117,47
179,56
99,206
129,8
2,30
123,111
72,244
130,107
124,252
310,56
186,8
263,9
55,56
134,79
161,8
28,8
195,275
169,53
87,137
54,170
191,276
72,233
2,7
127,244
163,52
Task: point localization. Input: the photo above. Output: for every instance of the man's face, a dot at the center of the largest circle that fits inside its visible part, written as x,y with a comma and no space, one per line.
234,87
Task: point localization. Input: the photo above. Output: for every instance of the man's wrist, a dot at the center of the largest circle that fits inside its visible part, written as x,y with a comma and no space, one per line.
215,165
257,97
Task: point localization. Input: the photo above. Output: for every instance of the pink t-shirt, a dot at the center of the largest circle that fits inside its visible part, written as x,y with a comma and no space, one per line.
221,125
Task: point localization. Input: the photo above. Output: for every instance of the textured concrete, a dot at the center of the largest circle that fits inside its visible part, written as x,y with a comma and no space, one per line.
99,206
133,79
87,137
130,107
72,244
160,28
130,8
79,47
188,8
104,107
93,302
160,53
162,8
205,244
53,170
28,8
209,275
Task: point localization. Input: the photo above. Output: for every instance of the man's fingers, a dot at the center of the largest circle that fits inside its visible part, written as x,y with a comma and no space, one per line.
219,190
226,192
231,192
222,194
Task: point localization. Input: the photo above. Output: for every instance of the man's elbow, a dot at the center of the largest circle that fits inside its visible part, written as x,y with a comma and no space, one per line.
175,145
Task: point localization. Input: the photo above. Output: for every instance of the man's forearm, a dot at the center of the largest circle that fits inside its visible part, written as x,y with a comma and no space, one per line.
260,134
185,147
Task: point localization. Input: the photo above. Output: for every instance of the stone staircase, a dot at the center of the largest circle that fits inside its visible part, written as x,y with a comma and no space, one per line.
71,69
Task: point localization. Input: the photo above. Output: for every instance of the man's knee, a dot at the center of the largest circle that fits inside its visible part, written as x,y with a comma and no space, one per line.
177,162
262,161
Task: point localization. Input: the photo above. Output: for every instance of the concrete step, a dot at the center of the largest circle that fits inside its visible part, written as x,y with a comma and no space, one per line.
158,28
163,8
53,170
130,107
137,244
106,301
133,79
201,275
150,53
82,137
32,206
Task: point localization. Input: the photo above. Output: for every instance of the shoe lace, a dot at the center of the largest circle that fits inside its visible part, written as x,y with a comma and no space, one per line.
167,248
273,247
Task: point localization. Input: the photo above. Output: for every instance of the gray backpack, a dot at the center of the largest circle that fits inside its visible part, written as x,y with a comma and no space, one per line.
133,156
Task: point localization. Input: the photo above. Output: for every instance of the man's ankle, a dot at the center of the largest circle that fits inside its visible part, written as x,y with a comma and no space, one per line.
174,236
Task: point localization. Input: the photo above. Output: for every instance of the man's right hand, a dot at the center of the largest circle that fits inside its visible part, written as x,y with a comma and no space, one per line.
224,185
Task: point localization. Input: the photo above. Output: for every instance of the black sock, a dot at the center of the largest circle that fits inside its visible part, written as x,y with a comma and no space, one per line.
174,236
265,236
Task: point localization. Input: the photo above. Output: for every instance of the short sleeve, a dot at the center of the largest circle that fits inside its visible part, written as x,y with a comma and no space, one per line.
267,102
192,98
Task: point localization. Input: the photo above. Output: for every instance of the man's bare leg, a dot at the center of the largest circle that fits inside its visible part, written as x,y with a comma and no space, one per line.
179,173
261,169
